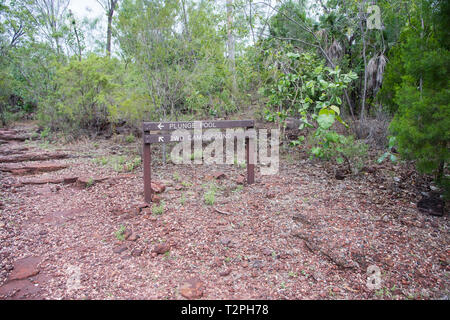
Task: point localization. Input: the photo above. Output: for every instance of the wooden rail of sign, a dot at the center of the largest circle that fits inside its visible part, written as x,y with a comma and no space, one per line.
188,125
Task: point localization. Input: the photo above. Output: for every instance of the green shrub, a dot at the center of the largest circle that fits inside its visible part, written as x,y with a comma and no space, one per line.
84,96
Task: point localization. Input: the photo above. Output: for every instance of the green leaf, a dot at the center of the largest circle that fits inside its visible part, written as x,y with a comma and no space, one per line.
325,121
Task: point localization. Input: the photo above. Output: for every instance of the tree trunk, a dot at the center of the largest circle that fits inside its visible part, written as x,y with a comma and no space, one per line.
231,43
363,36
110,13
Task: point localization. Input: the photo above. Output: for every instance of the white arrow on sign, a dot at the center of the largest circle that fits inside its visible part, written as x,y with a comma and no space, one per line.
160,126
161,139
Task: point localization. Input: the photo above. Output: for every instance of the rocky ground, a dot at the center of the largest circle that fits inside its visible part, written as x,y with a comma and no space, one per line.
73,225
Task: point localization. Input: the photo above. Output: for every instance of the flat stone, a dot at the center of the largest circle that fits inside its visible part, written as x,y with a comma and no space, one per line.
218,175
240,180
20,169
120,249
60,217
225,273
84,182
157,187
133,237
161,248
19,289
136,252
225,241
25,268
192,289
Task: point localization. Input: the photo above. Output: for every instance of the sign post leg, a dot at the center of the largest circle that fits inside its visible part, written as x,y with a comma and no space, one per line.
147,164
250,153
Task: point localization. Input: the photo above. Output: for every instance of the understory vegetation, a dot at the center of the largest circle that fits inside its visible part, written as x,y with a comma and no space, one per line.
351,74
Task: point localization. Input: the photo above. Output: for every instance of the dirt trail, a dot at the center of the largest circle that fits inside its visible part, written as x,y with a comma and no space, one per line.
83,231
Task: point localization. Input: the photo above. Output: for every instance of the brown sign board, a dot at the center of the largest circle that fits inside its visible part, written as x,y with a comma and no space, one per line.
167,138
149,139
191,125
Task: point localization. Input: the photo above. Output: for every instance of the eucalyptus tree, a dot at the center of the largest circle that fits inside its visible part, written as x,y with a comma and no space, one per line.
110,7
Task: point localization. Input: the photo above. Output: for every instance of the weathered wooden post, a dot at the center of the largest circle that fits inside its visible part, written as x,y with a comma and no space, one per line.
147,164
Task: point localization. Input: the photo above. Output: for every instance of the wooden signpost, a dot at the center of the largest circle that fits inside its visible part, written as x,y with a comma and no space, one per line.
150,138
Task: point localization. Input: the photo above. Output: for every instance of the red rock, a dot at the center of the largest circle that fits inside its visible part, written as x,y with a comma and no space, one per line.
161,248
67,180
32,156
19,289
157,187
225,272
240,179
17,169
136,252
120,249
25,268
133,237
218,175
156,199
84,182
117,211
192,289
126,234
271,194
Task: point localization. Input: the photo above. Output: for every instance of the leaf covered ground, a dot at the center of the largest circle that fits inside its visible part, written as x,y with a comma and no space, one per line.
300,234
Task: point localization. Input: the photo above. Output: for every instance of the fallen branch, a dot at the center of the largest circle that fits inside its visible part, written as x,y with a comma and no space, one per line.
222,212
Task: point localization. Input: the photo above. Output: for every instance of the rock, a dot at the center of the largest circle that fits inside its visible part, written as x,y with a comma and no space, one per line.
8,136
21,169
142,205
117,211
225,241
369,169
257,264
218,175
120,249
133,237
240,179
25,268
84,182
432,205
157,187
156,199
161,248
18,289
225,272
60,217
271,194
66,180
192,289
339,175
33,157
126,234
136,252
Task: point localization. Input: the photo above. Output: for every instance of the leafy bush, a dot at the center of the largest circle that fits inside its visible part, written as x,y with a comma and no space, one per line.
329,145
83,97
304,87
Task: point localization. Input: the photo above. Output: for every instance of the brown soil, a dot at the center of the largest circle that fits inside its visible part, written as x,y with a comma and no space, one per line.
301,234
